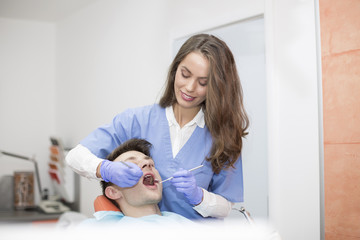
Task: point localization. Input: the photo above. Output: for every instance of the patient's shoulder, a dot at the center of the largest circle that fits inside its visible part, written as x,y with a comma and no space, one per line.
175,216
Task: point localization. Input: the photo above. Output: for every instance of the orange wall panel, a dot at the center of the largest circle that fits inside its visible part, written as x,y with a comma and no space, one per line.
342,191
341,97
340,44
340,26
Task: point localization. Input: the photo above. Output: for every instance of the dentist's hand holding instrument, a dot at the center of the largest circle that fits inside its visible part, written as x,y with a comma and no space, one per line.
185,182
120,173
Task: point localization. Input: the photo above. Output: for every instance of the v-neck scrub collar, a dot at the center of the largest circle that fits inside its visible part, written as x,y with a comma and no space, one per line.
198,119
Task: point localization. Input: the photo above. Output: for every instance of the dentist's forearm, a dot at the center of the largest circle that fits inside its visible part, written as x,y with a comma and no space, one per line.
83,162
213,205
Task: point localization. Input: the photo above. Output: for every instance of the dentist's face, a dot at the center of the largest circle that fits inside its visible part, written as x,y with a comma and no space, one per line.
147,190
191,80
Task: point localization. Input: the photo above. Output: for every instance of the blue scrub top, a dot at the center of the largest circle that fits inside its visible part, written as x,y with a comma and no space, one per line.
150,123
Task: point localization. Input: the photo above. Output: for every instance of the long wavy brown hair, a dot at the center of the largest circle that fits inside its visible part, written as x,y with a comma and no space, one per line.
223,107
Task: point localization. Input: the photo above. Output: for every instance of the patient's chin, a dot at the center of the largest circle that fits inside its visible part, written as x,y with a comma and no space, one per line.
154,199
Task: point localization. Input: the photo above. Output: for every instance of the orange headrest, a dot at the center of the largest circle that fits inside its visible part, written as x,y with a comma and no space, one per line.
101,203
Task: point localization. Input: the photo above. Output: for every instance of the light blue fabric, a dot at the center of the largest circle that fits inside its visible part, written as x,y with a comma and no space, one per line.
150,123
118,217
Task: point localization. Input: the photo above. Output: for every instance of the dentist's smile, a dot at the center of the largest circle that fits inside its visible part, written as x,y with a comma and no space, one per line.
186,97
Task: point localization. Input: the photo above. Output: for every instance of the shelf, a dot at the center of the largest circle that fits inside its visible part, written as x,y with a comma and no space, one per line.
26,216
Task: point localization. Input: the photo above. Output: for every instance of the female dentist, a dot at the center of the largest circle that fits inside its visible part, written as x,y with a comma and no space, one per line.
200,119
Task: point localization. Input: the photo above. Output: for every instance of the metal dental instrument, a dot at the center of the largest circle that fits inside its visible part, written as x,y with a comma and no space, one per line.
125,164
246,215
188,170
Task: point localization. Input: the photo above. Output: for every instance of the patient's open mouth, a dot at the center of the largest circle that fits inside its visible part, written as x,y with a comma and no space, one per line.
149,180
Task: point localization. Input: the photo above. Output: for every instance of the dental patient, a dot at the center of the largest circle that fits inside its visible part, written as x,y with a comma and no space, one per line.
137,203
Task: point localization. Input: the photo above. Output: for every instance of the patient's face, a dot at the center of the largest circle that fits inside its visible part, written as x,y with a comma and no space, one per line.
147,190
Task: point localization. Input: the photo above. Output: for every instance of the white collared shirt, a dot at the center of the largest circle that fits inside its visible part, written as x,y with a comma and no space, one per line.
179,136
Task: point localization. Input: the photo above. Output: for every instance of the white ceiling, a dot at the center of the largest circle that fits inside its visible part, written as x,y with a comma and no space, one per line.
40,10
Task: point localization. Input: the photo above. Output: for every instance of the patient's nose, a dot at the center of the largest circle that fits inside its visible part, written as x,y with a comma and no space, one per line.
148,164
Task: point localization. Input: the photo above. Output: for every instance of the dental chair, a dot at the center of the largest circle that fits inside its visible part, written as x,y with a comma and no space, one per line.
101,203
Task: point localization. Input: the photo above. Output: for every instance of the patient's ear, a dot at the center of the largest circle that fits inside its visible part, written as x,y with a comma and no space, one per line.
113,193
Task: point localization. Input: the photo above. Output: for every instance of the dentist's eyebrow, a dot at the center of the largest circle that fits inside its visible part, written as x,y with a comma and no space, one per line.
185,68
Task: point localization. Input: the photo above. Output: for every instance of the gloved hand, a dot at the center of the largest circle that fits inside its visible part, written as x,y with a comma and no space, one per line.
185,182
120,174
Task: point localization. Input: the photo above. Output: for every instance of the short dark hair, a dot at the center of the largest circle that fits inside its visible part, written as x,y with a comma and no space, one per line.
134,144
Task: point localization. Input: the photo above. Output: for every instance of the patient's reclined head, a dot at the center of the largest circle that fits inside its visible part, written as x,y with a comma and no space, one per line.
148,191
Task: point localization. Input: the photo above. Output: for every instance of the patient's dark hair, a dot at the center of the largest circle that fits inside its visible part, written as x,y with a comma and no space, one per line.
134,144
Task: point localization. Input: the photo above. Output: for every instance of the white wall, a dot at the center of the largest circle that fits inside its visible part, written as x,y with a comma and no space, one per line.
27,78
112,55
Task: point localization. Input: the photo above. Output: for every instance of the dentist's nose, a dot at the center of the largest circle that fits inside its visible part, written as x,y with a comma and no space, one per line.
191,85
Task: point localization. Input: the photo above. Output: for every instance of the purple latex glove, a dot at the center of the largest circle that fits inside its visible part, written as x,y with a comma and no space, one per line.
185,182
120,174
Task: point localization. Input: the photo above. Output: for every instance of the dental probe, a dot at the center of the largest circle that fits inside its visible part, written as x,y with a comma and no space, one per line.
125,164
188,170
